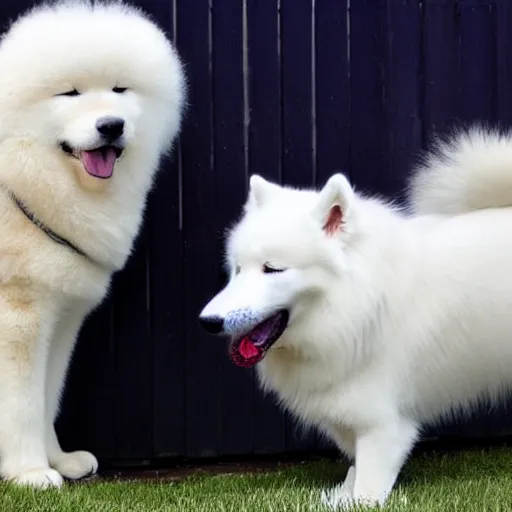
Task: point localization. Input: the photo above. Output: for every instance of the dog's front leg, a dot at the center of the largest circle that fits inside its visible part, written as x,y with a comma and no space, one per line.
24,338
77,464
380,454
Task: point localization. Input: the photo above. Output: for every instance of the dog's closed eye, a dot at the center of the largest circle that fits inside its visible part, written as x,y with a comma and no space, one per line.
269,269
72,92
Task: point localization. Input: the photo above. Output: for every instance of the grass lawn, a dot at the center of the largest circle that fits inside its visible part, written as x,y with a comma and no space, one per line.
466,482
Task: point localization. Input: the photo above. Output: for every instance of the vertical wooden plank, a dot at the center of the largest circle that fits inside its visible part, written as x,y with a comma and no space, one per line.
370,162
265,159
201,250
133,356
441,97
404,98
264,89
230,140
332,89
477,57
297,92
167,311
166,288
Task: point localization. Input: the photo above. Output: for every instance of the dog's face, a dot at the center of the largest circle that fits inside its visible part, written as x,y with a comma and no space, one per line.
96,83
281,257
94,126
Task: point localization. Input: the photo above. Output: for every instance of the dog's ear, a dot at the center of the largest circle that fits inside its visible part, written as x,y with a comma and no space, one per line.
334,204
259,191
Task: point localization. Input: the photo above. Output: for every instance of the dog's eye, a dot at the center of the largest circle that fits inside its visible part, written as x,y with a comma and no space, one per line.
119,90
237,270
73,92
268,269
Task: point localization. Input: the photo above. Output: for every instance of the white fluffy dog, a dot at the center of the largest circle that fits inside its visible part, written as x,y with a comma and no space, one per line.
91,97
370,322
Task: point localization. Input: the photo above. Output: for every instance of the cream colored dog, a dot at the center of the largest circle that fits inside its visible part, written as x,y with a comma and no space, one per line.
90,99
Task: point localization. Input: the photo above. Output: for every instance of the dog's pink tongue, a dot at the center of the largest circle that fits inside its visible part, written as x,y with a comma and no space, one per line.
246,353
247,349
99,162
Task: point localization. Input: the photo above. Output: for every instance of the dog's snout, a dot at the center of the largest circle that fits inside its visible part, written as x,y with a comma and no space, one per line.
212,324
110,127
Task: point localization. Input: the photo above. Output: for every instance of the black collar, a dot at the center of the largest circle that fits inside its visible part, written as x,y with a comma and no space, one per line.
45,229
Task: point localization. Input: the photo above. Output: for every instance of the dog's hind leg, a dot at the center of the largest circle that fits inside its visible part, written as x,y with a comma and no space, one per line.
26,326
77,464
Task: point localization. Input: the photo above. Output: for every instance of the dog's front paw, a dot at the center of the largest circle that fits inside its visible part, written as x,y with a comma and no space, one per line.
341,498
38,478
75,465
341,495
337,498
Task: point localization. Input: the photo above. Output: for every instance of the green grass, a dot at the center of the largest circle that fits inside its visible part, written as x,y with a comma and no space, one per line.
466,482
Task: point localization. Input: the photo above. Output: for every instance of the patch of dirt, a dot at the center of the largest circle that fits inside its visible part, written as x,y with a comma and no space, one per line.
177,472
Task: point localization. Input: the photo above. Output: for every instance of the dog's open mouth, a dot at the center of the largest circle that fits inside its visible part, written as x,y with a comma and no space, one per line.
251,348
98,162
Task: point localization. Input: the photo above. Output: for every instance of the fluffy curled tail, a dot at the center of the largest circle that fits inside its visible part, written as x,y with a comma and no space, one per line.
468,171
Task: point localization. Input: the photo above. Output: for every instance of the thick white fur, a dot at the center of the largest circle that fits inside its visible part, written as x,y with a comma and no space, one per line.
467,172
46,289
397,319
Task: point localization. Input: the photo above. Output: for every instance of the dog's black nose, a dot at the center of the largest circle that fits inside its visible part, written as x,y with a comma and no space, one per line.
212,324
110,127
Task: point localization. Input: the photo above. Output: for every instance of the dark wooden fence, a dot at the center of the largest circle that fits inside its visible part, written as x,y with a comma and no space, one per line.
294,90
